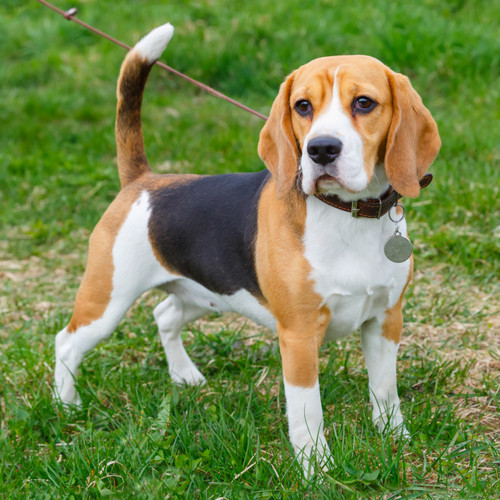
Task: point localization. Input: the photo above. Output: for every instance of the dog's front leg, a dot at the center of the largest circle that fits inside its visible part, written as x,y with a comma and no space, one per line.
299,352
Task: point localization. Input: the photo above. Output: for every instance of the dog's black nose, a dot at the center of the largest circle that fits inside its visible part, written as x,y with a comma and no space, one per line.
324,150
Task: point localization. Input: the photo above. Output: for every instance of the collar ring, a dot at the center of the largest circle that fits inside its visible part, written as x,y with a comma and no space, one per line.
397,204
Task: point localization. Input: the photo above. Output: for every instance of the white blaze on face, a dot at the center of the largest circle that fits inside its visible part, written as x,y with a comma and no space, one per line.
349,167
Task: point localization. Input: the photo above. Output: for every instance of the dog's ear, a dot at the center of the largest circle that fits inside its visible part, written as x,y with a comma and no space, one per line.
413,140
277,144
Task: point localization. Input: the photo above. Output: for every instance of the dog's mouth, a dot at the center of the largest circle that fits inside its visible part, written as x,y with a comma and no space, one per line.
325,183
328,180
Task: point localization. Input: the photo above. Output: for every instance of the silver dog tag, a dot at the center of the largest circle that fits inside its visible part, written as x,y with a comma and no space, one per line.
398,248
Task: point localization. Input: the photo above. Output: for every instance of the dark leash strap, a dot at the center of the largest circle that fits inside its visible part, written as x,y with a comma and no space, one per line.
70,16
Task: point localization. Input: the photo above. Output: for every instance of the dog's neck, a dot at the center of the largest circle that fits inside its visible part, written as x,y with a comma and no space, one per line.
373,202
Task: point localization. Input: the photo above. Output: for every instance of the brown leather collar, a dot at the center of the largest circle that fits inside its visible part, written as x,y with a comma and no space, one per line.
371,208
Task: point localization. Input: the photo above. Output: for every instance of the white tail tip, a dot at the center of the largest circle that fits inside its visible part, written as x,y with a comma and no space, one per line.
154,43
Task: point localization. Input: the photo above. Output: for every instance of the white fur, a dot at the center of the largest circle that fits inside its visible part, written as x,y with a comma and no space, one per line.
305,422
380,357
242,302
133,257
350,271
334,122
246,304
189,301
171,315
153,44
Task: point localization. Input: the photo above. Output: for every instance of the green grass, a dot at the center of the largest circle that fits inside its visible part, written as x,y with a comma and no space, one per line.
137,434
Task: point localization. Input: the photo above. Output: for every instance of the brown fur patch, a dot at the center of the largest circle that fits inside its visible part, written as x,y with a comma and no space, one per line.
284,280
393,322
413,139
95,289
132,161
277,145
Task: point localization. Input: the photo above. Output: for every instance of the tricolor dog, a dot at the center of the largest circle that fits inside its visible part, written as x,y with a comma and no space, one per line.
298,247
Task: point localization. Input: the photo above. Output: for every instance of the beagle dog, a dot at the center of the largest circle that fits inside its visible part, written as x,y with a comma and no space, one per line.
343,131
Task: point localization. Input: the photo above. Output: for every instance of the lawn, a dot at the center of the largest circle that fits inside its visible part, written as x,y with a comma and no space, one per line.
138,435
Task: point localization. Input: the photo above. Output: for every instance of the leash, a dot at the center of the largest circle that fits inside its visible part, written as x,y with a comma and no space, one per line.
70,16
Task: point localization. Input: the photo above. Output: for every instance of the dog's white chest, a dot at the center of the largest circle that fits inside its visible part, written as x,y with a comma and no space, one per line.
350,271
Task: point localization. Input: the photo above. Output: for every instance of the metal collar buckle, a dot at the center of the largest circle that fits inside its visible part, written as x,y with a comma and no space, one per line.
354,209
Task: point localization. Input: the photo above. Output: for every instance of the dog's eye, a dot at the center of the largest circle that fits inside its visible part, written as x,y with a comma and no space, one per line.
363,104
303,107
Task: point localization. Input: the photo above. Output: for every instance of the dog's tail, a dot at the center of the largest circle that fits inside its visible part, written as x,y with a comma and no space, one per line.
132,161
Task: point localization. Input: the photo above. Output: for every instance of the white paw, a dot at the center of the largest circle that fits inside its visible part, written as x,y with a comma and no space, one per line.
187,375
69,399
313,457
391,423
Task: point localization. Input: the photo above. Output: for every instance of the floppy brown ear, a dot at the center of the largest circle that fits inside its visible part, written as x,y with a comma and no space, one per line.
413,140
277,144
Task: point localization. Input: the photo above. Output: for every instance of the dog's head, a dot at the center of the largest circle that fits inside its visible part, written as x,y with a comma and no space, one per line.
338,117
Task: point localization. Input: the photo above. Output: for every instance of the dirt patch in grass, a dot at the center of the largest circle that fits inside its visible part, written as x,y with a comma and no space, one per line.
35,288
468,336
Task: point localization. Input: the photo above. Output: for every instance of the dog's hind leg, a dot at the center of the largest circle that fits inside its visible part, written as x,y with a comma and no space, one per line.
103,299
171,315
121,266
72,344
